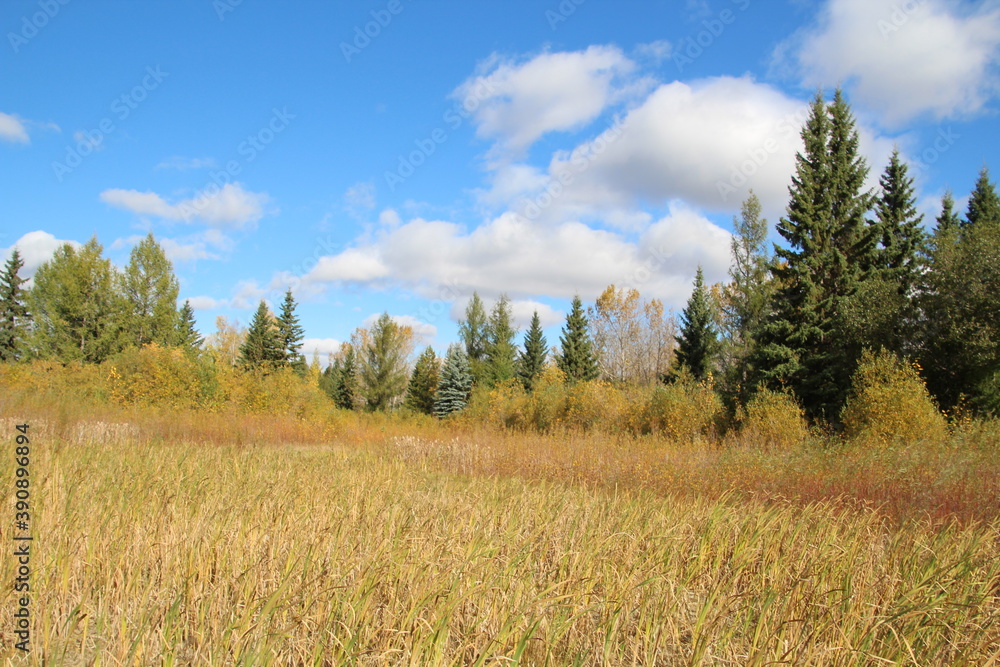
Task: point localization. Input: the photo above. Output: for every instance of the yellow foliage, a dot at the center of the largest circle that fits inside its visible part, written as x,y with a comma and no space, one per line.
685,411
772,420
155,376
890,404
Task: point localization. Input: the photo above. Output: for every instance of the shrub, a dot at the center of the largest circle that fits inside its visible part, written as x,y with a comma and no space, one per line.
772,420
596,404
684,411
890,404
155,375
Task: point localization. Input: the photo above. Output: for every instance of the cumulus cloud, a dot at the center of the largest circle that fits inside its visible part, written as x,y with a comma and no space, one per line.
516,103
36,248
205,303
423,331
12,129
324,347
510,254
902,59
231,206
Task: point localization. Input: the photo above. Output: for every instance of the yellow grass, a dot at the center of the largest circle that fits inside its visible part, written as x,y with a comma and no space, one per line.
374,547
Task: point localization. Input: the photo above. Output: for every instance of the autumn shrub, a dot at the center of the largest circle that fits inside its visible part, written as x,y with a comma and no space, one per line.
684,411
547,406
156,376
771,420
890,404
596,404
505,405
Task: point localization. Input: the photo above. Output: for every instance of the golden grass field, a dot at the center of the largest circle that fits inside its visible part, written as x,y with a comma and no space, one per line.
185,538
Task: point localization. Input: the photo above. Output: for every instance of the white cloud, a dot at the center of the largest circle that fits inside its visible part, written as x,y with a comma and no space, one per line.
36,248
360,197
522,310
423,331
205,303
656,52
510,254
12,129
902,59
519,102
229,206
325,347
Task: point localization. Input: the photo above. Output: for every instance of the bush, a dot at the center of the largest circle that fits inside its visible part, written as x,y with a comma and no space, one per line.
156,376
890,404
772,420
684,411
596,404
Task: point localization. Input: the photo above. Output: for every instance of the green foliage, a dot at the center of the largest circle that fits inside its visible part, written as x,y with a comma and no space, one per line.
383,364
188,337
474,333
340,379
889,403
261,350
576,358
149,290
501,351
456,383
531,360
421,392
948,219
13,312
76,309
808,345
984,203
290,335
698,341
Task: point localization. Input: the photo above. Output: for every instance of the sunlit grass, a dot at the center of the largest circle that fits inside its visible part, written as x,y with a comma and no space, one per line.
474,549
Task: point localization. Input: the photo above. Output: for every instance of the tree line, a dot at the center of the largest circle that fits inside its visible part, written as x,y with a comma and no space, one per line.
856,271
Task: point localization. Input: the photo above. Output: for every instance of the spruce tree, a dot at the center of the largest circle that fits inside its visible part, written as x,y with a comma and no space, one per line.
290,335
576,357
150,290
420,393
473,331
948,219
456,382
188,337
697,343
984,204
262,349
329,379
531,360
501,351
903,240
13,312
808,343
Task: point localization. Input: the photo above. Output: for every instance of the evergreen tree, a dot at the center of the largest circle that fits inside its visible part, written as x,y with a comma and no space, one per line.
347,393
329,379
576,357
473,331
984,204
456,382
187,336
262,348
947,220
808,343
501,351
747,297
423,383
150,290
903,240
383,364
531,360
13,312
76,308
697,343
290,335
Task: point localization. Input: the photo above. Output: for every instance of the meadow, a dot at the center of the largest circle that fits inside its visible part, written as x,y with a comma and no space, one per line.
175,537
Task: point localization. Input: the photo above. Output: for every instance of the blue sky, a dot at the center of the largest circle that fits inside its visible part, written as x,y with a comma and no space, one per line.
395,156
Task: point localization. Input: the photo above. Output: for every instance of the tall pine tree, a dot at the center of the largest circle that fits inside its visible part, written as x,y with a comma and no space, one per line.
501,351
984,203
262,349
13,312
188,337
474,333
150,290
422,390
290,335
576,357
383,364
697,343
531,360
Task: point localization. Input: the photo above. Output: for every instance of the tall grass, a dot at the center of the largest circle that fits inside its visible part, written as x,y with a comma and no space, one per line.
157,553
